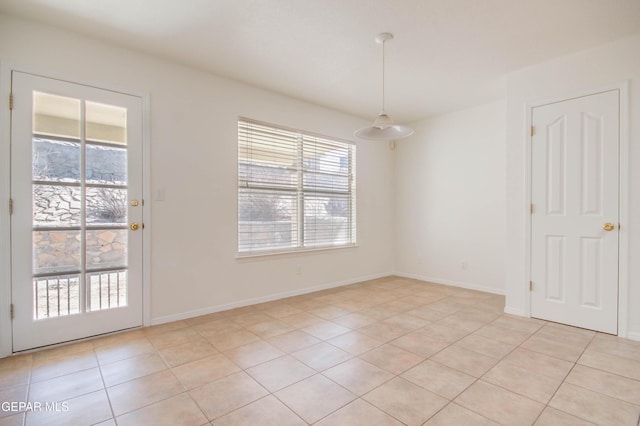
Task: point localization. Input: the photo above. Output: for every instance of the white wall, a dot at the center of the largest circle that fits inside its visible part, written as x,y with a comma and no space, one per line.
581,73
193,157
450,199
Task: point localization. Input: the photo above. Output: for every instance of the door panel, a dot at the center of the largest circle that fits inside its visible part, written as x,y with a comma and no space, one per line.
590,276
76,166
556,148
555,265
592,165
574,261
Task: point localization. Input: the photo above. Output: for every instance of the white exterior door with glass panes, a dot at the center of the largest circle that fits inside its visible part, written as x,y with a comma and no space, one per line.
76,226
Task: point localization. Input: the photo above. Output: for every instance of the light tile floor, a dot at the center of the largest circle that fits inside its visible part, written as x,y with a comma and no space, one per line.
390,351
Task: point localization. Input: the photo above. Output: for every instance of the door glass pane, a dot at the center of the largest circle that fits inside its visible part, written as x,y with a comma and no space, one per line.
106,206
56,296
55,115
55,205
106,248
56,160
56,251
106,123
106,165
106,290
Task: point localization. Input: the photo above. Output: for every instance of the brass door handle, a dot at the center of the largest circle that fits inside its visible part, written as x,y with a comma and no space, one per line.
134,226
608,226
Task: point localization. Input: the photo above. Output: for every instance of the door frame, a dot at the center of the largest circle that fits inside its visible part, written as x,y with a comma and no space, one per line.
623,196
6,68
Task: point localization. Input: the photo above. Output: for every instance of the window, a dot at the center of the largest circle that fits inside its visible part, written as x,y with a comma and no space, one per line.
296,190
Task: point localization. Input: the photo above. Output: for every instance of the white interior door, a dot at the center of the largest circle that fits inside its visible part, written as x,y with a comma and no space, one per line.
76,227
574,224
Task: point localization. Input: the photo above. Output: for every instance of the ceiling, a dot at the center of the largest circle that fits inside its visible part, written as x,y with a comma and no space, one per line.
446,54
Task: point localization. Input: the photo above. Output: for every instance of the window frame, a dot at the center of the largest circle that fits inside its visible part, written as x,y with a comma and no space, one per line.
300,191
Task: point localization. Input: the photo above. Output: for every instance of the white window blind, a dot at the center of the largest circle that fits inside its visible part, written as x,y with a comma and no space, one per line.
296,190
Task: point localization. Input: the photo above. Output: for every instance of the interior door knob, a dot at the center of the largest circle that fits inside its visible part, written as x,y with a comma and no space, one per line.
134,226
608,226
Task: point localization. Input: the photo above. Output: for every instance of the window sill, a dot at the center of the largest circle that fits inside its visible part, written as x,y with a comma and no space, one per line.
254,255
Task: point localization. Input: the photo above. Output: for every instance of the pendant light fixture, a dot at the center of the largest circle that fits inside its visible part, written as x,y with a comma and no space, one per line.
383,128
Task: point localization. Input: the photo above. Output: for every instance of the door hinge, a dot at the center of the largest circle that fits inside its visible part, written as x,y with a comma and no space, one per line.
533,130
10,206
11,311
531,208
10,101
530,285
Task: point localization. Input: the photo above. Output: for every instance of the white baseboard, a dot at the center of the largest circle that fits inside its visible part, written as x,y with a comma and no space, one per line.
269,298
631,335
514,311
468,286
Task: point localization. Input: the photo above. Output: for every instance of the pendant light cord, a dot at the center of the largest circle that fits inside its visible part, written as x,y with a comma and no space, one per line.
383,43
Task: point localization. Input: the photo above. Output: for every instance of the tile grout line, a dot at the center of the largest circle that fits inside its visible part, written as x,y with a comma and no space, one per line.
106,392
546,405
397,298
477,379
352,356
396,376
563,381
